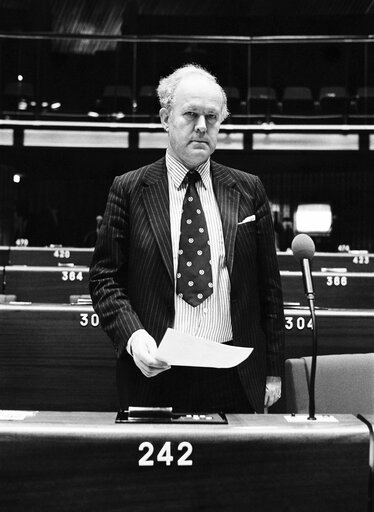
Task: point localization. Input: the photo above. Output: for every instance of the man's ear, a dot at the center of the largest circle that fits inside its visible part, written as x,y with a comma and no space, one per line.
164,116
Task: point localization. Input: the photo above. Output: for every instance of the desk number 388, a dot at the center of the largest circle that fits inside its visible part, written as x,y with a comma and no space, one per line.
165,454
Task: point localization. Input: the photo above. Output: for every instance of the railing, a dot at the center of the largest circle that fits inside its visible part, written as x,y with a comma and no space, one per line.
42,77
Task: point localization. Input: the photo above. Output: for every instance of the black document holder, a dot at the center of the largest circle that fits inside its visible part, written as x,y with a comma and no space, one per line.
166,415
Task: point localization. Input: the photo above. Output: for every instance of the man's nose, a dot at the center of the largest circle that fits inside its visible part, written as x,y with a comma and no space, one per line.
200,125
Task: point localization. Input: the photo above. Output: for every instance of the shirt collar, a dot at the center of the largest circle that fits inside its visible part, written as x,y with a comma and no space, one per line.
178,171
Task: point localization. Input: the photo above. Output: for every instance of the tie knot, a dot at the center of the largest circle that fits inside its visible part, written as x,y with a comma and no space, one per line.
192,177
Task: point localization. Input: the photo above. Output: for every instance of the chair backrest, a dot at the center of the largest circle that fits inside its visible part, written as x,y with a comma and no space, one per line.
117,91
148,91
261,93
365,92
344,384
232,92
297,93
333,93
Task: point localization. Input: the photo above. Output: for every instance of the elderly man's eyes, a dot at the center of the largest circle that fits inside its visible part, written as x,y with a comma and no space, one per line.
194,115
191,115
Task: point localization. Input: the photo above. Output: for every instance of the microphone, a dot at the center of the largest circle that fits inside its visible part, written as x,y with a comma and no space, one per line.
303,250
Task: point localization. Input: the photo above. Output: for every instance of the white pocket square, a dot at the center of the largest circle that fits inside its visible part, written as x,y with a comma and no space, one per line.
251,218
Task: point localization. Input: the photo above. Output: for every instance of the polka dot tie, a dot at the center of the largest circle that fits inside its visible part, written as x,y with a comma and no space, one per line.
194,274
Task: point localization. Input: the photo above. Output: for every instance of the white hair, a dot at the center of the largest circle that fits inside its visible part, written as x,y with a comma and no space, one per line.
167,86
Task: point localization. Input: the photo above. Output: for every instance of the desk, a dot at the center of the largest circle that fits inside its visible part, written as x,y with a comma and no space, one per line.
64,345
49,256
45,284
332,289
256,463
55,357
339,331
4,255
355,261
56,284
359,261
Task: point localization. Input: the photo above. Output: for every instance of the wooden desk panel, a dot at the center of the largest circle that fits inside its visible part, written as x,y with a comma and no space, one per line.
50,256
352,290
55,357
358,261
46,284
256,463
57,283
4,255
339,332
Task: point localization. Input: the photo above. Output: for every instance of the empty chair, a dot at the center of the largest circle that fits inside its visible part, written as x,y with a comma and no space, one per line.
365,100
334,100
148,101
116,98
261,100
297,101
344,384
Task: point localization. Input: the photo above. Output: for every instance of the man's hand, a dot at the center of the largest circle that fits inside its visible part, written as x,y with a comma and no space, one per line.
273,390
144,348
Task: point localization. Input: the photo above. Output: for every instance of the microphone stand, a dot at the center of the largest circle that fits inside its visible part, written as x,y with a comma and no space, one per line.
312,384
310,296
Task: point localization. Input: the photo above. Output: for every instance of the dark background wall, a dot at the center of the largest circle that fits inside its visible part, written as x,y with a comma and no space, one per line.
76,182
70,185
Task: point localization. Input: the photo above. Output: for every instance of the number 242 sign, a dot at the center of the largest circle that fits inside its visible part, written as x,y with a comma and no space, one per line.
165,455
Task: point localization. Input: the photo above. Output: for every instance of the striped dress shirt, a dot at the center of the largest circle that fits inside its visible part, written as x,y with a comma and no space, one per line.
212,318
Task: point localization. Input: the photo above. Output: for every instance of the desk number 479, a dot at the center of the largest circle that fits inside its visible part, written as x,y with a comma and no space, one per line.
165,454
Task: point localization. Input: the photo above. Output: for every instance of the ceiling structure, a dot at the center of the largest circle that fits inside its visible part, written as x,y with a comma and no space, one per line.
65,15
192,17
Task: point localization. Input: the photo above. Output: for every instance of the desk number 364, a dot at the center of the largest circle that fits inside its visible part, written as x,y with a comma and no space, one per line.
165,455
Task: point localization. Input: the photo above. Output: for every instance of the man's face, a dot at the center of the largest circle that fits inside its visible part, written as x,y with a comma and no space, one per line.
194,120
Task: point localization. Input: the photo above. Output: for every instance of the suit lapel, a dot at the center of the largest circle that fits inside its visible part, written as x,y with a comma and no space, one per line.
156,202
228,199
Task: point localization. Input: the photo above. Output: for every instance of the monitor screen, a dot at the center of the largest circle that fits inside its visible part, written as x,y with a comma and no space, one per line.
313,219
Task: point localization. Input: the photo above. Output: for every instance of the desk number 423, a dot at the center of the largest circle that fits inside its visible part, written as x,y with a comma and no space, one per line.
164,455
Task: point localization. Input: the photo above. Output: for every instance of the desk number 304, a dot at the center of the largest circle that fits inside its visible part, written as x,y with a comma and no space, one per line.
165,454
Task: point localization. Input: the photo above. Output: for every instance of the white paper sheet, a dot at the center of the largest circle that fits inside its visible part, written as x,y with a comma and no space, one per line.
180,349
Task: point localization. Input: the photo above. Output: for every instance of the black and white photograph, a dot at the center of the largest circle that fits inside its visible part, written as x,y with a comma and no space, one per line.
187,256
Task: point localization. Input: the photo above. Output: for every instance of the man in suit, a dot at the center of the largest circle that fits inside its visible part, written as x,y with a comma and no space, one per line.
148,274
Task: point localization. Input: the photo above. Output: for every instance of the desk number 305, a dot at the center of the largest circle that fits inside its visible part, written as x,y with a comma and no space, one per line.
165,455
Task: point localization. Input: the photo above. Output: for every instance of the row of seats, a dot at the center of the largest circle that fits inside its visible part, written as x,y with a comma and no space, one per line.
333,289
300,100
45,256
352,261
56,357
258,100
50,333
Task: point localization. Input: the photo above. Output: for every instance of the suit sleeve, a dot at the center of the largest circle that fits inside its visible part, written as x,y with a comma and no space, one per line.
272,312
109,270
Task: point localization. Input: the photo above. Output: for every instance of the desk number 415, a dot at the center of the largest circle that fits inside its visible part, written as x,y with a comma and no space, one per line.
164,455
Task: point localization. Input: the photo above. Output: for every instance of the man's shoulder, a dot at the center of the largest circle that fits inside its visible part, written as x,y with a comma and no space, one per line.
136,176
237,174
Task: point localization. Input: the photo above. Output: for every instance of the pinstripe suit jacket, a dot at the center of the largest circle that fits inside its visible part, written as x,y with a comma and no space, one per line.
131,276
